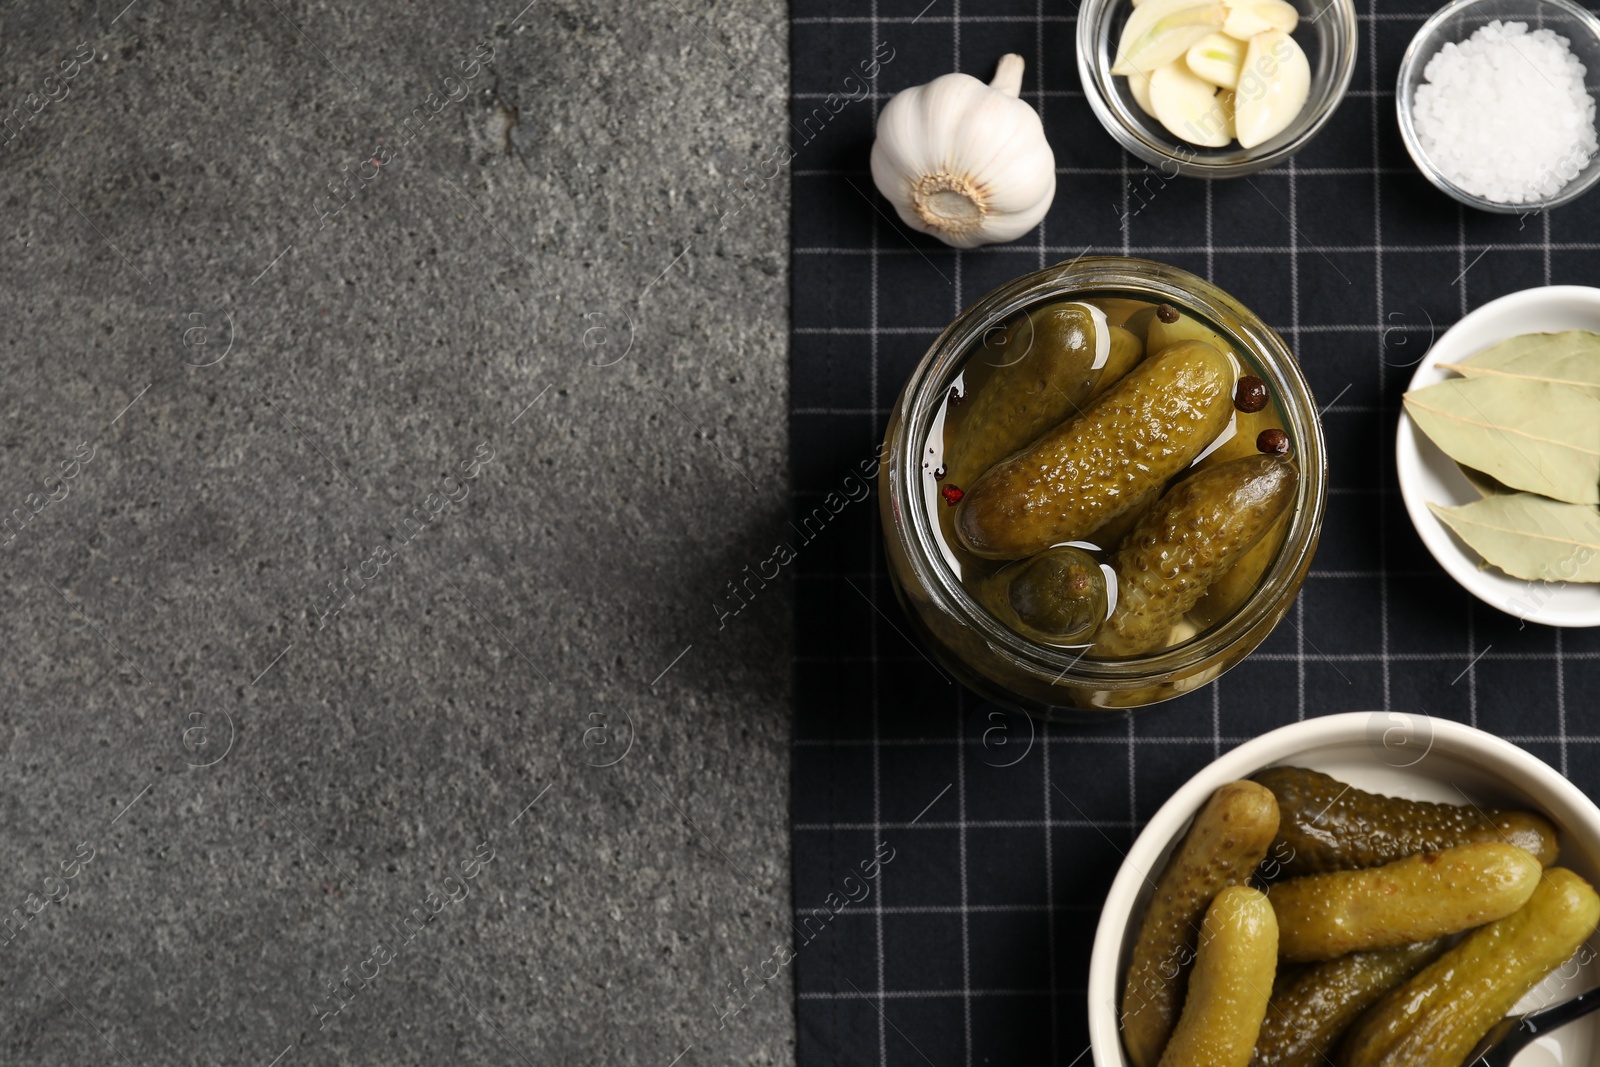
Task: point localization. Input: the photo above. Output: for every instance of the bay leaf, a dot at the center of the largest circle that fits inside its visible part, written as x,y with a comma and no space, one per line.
1484,484
1530,536
1530,435
1569,357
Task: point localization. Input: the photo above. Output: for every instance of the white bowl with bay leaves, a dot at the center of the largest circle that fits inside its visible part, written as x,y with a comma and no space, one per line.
1512,392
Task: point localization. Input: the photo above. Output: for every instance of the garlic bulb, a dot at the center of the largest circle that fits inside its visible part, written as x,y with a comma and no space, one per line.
964,161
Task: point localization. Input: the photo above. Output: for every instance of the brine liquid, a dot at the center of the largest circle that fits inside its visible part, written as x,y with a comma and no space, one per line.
1239,438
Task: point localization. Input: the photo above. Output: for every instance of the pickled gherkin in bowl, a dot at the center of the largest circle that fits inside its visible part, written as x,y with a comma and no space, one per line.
1104,485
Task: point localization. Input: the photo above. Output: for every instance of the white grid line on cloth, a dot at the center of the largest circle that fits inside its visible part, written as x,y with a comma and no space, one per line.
1293,331
1133,781
875,20
1561,703
1216,718
872,590
928,331
1546,230
1049,844
1300,657
1353,409
961,753
921,742
1472,667
1472,671
951,909
1383,366
978,824
1211,272
923,994
1125,223
961,825
1056,94
1320,575
1310,172
1243,250
932,20
1327,657
1211,234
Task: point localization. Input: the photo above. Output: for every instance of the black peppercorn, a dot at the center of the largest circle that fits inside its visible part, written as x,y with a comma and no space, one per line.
1273,442
1251,395
1167,314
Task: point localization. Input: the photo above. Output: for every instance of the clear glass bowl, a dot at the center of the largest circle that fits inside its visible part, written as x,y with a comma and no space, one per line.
1327,34
984,654
1458,21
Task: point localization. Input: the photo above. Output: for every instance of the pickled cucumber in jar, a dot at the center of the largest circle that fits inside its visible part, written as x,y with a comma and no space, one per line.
1030,375
1036,530
1056,598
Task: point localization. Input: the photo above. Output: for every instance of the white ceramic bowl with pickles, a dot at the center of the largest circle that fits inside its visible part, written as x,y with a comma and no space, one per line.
1393,753
1428,475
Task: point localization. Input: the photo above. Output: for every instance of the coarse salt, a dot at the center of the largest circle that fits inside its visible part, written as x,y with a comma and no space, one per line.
1504,114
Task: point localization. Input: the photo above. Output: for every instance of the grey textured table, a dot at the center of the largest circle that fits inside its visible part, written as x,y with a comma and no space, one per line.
375,465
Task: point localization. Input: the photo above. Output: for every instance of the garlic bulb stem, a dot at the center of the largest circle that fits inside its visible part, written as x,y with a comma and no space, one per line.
1008,75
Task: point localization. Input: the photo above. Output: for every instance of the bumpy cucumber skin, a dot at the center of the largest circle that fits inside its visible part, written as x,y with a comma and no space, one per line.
1188,540
1329,826
1044,373
1057,597
1436,1018
1230,592
1313,1006
1231,983
1321,916
1085,472
1227,840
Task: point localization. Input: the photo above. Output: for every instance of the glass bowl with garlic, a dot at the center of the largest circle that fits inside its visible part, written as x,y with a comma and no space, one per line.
1215,88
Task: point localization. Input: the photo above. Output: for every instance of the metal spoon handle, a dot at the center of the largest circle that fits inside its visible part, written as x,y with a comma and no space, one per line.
1535,1024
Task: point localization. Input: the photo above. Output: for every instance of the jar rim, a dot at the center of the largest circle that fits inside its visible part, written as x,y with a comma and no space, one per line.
1110,276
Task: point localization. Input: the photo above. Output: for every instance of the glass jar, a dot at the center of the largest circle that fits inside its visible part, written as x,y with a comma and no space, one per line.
977,648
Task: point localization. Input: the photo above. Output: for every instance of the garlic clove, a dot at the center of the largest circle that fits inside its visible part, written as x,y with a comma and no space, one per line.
1228,105
1160,31
1188,108
1246,18
1139,87
1273,87
1217,59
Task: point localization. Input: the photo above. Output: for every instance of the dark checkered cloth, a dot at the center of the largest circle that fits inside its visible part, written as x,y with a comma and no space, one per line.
970,943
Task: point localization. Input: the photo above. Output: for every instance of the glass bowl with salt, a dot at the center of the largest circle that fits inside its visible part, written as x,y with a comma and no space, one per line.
1494,103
